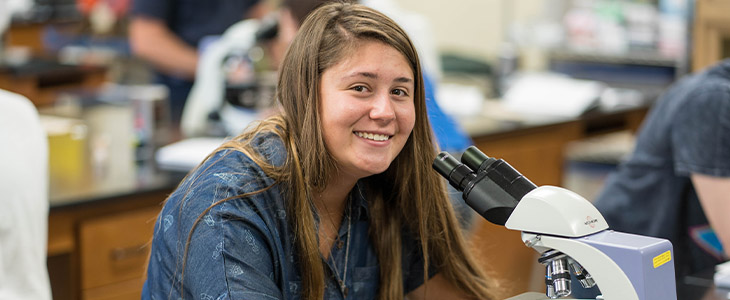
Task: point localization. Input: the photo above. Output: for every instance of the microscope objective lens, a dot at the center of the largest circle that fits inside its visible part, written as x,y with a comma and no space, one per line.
550,290
561,276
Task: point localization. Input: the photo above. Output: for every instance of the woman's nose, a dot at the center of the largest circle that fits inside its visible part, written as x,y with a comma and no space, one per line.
382,108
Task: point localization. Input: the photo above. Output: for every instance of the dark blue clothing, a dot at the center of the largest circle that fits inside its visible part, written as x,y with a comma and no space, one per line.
191,20
179,90
449,135
451,138
688,131
244,248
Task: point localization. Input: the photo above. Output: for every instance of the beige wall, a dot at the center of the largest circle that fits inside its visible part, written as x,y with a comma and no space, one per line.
472,27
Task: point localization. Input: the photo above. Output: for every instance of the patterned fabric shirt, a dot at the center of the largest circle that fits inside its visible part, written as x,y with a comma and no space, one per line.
244,248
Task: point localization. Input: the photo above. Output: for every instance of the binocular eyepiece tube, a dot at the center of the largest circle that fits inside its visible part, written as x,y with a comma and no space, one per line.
490,186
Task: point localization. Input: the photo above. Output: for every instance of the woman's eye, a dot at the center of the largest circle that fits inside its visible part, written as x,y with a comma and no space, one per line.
399,92
360,88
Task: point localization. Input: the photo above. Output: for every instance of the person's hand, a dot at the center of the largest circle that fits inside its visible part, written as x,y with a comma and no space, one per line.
714,195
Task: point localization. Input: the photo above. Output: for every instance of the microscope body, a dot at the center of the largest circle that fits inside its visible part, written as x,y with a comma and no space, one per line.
625,266
570,234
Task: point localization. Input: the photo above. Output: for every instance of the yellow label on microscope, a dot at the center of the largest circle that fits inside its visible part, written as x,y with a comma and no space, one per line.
662,259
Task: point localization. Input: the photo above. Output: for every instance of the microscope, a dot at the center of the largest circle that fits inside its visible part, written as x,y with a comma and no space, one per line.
230,90
570,234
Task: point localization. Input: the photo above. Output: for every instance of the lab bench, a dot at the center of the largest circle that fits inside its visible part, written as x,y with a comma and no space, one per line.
41,80
102,216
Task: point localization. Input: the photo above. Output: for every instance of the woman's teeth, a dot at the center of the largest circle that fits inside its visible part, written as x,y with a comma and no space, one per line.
373,136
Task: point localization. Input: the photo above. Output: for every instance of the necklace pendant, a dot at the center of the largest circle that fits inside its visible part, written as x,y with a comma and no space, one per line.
343,288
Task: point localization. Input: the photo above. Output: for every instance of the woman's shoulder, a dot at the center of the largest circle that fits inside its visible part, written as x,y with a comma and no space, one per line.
228,174
245,156
271,147
234,169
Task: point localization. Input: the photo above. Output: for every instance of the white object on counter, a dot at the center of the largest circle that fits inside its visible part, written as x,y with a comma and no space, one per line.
722,275
552,94
186,154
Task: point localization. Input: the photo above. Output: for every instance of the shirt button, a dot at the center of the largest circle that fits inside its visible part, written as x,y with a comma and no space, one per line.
340,244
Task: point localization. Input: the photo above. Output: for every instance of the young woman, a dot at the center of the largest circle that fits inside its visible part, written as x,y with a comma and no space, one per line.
335,197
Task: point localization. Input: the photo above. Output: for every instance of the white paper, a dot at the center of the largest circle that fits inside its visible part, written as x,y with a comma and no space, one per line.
186,154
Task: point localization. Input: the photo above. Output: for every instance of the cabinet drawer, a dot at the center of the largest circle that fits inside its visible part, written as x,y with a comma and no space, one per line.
114,248
127,290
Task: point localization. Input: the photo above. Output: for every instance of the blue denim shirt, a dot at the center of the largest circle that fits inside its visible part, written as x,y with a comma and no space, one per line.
244,248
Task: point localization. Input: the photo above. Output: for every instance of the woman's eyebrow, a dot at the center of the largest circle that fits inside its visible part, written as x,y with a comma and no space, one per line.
375,76
403,80
363,74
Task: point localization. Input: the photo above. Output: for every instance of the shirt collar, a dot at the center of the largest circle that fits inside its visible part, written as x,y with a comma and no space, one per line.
359,202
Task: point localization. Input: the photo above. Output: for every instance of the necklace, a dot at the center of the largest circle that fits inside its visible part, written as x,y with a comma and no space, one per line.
342,280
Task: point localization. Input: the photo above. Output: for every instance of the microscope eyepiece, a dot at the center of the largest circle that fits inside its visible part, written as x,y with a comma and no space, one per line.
473,158
453,170
444,164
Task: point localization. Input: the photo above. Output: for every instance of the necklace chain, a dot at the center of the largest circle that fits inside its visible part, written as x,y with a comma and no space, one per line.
342,281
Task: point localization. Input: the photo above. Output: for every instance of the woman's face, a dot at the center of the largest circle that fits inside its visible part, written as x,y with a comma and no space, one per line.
367,109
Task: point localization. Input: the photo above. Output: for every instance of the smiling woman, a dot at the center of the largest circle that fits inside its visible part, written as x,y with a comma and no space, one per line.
367,110
335,197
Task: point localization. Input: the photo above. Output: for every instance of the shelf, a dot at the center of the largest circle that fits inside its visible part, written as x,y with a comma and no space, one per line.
634,57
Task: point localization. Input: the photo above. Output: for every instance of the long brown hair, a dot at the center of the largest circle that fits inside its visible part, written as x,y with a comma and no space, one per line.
408,197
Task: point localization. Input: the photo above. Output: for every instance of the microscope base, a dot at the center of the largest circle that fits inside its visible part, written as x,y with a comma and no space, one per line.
532,296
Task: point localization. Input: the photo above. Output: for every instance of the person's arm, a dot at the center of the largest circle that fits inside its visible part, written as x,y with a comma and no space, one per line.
714,195
153,41
436,288
259,10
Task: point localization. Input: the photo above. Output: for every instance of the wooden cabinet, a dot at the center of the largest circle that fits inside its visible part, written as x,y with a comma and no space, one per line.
98,249
113,254
711,33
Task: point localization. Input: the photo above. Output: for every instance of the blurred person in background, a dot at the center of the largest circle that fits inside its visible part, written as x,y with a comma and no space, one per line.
676,183
24,200
23,189
168,33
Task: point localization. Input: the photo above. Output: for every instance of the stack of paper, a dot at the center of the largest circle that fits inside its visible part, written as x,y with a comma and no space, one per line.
186,154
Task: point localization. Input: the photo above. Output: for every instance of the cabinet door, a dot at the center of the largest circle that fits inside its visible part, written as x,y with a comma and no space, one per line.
711,33
114,250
